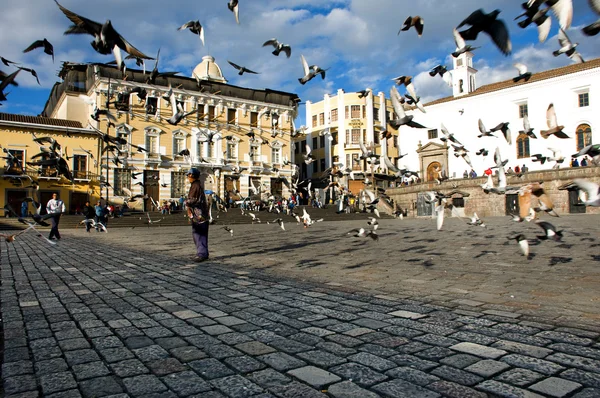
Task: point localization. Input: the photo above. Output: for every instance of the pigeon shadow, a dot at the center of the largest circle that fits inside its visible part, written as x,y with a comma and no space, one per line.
560,260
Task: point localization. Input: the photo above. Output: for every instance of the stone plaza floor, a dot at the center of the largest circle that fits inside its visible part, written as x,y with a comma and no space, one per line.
305,312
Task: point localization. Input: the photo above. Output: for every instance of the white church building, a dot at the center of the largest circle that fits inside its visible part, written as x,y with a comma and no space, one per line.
571,89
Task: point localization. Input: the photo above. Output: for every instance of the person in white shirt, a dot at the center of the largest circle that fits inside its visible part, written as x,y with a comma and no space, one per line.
55,207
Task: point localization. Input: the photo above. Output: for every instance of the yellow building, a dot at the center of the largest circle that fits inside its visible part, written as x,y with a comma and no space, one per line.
238,137
335,129
19,178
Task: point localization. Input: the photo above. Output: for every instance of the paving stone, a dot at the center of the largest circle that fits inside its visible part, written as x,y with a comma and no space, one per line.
478,350
78,357
221,351
521,338
291,346
100,387
525,349
269,378
16,368
392,341
435,353
314,376
142,386
90,370
413,362
163,367
453,390
505,390
371,323
359,374
186,383
414,376
106,342
456,375
407,314
588,364
588,393
307,339
588,379
555,387
296,390
372,361
322,358
55,382
487,367
281,361
234,338
255,348
535,364
244,364
20,384
317,331
128,368
210,368
519,377
138,342
150,353
572,349
50,366
434,339
187,353
236,386
347,389
186,314
171,342
565,337
336,349
403,389
473,338
63,394
116,354
202,341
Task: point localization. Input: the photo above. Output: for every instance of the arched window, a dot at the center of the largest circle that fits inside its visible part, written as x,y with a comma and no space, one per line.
460,86
433,171
584,136
522,146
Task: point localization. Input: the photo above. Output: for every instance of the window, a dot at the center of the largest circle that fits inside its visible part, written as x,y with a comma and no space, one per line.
277,187
355,162
322,141
347,112
584,99
178,181
364,111
211,112
523,111
432,134
123,132
322,162
314,143
395,141
355,136
151,105
122,180
522,146
80,166
152,143
376,138
315,167
460,86
178,143
355,111
255,152
347,137
231,150
376,114
275,155
334,138
322,118
296,147
314,120
303,146
348,160
584,136
122,102
253,119
459,62
458,202
16,166
211,149
231,113
334,115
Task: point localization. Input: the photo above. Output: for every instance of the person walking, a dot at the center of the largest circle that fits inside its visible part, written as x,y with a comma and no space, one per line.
88,213
197,209
55,207
99,215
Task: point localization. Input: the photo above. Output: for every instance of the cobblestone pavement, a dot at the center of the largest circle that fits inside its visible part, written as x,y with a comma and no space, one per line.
420,313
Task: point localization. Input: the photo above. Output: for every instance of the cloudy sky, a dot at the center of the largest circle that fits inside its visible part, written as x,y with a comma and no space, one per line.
356,39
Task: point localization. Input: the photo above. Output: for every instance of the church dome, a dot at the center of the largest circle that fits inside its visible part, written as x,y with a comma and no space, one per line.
208,70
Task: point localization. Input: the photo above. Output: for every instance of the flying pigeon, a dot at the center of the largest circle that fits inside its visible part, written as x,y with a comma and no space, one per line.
48,48
194,27
593,28
241,69
523,244
461,46
505,131
416,22
234,8
550,231
553,127
527,130
279,47
592,192
443,72
495,28
533,14
310,71
523,73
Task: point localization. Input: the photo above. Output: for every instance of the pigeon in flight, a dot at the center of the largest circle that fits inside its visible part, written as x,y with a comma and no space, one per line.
461,46
234,8
7,80
241,69
308,157
487,23
403,119
484,132
592,150
505,131
568,48
594,28
443,72
550,231
279,47
228,229
48,48
523,73
534,14
310,71
194,27
553,127
416,22
482,152
523,244
447,136
527,130
362,233
106,38
592,192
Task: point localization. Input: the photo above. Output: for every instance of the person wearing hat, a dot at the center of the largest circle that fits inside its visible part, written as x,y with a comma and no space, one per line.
197,209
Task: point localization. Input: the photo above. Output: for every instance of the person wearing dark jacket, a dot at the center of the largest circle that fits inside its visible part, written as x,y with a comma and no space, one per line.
89,213
197,209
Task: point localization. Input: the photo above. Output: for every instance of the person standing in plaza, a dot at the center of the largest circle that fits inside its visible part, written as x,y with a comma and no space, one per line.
99,215
197,209
55,207
24,209
88,213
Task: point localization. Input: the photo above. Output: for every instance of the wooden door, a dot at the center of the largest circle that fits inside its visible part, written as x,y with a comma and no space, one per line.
424,208
575,203
151,188
512,204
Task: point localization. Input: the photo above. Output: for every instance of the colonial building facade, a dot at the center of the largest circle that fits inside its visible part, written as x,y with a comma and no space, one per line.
238,137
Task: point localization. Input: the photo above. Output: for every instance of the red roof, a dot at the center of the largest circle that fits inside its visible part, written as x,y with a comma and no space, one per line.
11,117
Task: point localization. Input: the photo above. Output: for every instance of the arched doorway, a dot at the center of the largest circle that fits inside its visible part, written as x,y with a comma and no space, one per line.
433,170
584,136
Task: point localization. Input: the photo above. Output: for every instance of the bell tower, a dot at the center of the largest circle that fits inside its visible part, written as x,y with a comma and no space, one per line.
463,75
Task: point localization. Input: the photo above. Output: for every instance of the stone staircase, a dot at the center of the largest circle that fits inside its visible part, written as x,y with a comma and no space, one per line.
233,216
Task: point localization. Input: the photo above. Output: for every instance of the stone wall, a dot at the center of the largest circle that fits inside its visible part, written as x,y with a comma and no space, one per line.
487,205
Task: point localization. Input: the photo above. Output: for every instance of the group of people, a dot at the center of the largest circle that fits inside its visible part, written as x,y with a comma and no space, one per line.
99,213
575,162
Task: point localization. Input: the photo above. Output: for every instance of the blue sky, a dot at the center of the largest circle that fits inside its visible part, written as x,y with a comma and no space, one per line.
356,39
